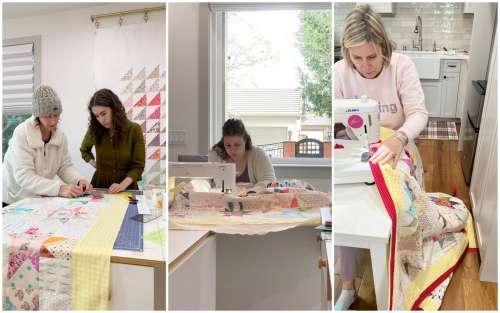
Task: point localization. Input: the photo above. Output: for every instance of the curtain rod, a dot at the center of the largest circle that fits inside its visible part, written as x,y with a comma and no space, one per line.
93,18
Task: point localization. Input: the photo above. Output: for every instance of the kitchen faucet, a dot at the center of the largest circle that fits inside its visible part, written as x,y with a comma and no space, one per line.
418,30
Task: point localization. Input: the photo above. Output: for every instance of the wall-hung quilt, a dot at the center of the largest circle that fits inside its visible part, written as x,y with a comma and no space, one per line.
130,60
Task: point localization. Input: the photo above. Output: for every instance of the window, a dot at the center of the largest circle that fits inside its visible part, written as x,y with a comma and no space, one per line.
277,82
20,75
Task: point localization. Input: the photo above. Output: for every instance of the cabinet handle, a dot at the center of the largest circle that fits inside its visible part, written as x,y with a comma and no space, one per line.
452,66
444,76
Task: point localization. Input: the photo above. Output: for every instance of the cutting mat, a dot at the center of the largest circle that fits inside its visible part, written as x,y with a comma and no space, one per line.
130,236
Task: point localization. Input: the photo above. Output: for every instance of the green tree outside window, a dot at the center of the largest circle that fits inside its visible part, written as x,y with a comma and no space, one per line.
314,40
10,122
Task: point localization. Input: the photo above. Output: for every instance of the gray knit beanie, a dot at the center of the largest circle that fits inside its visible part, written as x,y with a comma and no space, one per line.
46,102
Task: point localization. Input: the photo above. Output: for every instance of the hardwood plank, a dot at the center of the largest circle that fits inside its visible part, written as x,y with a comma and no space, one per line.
366,292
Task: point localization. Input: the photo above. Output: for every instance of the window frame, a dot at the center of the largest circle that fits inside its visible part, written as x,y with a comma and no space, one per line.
218,39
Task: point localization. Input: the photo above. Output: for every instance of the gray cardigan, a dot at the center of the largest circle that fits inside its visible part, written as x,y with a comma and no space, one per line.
260,168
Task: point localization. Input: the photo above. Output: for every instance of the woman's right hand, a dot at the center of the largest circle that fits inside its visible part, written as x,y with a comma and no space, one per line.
92,162
70,191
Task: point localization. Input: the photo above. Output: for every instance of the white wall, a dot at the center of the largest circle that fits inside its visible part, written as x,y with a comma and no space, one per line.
66,60
188,67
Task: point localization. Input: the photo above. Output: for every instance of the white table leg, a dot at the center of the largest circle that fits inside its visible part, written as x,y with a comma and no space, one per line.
378,253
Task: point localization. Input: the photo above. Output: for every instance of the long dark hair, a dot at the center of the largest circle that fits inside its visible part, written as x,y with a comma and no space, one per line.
107,98
232,127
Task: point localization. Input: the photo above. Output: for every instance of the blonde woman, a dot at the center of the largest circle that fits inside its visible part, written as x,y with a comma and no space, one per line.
371,68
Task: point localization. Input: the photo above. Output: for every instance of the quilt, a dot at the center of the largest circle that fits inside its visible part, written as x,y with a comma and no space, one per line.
430,234
56,252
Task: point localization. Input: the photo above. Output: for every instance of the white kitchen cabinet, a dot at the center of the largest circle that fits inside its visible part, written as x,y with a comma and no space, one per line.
450,81
432,92
381,7
444,96
449,94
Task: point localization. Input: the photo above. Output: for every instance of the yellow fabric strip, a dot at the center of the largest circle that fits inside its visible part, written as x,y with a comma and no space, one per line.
471,233
91,260
392,178
429,305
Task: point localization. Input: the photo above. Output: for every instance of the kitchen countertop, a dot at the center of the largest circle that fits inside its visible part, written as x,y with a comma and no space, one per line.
439,54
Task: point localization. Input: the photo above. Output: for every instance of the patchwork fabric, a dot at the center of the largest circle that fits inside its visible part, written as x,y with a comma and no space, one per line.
21,292
55,284
244,217
430,233
41,235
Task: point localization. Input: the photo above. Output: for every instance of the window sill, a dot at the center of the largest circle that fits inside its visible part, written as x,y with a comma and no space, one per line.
301,162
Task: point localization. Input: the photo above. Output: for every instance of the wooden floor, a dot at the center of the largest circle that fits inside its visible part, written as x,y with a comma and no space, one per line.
441,161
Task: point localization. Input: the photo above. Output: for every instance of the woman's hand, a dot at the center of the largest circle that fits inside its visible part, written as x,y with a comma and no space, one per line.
85,185
115,188
70,191
388,150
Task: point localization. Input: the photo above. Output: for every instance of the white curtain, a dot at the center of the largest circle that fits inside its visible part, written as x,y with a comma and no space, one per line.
130,60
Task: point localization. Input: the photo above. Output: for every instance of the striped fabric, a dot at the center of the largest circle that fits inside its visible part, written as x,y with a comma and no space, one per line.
442,130
91,260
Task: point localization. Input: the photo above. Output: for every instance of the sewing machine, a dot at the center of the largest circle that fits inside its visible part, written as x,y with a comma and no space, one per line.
223,174
361,118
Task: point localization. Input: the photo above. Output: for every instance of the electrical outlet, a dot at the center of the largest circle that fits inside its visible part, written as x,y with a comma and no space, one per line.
176,137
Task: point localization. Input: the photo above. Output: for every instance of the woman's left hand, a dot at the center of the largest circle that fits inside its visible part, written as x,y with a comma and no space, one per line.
388,150
116,188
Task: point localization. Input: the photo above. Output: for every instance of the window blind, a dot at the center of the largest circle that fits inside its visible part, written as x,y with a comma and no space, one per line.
18,79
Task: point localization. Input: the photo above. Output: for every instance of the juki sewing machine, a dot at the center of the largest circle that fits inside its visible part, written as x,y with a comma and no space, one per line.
223,174
361,118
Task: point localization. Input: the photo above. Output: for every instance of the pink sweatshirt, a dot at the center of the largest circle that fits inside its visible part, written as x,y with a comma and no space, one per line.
397,89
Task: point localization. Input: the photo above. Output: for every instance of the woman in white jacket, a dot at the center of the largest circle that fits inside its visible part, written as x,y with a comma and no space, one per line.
252,164
38,152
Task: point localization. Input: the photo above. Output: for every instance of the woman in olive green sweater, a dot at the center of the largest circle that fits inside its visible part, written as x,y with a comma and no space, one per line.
119,144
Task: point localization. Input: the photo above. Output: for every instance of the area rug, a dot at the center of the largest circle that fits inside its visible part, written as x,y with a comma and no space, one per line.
442,130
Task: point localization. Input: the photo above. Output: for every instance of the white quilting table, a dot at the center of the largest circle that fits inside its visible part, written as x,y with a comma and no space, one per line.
146,269
361,221
191,270
279,270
